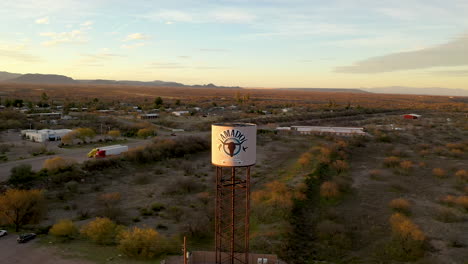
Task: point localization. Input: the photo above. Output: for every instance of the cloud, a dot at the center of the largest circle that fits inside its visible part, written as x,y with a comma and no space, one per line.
18,53
87,23
74,36
166,65
213,50
42,21
132,46
452,53
224,15
451,73
233,16
97,59
136,36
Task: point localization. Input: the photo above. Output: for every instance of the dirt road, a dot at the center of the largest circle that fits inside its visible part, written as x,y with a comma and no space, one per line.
78,154
13,253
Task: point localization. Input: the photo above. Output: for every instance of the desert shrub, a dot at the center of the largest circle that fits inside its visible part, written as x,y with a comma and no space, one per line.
447,215
142,243
156,207
4,148
462,201
406,165
391,161
204,197
101,164
101,231
197,226
21,176
145,132
184,186
424,153
329,190
273,202
175,213
58,164
375,173
439,172
400,205
408,239
333,234
114,134
305,159
462,175
110,204
64,229
340,166
72,186
162,149
142,179
448,200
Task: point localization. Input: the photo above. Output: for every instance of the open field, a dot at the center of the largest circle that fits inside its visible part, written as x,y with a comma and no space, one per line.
315,198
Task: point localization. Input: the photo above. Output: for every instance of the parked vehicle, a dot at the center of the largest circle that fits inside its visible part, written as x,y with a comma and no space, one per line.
3,233
23,238
103,152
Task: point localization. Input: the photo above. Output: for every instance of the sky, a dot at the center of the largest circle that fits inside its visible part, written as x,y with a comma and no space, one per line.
248,43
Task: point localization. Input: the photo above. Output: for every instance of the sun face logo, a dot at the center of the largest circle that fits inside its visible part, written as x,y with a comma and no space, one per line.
231,142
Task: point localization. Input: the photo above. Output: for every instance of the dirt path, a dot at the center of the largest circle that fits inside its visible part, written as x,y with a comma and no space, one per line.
13,253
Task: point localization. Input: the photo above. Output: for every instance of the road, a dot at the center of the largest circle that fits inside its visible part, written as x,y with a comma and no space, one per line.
13,253
77,154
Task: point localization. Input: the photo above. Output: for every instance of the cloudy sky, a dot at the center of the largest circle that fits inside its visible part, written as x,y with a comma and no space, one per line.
250,43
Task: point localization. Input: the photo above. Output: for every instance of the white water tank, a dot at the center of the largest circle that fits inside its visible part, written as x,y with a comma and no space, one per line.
233,144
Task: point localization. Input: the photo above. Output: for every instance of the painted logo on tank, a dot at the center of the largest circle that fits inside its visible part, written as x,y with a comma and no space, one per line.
231,142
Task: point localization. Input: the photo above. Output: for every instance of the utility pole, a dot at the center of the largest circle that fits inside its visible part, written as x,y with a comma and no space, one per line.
185,250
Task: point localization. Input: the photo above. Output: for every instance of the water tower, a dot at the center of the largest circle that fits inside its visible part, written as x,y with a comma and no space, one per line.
233,152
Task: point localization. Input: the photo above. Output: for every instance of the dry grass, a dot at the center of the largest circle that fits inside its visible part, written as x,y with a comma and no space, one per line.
329,190
400,205
391,161
404,228
439,172
462,201
462,175
448,200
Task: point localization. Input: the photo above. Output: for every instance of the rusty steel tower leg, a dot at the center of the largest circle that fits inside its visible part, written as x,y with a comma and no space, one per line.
233,212
232,215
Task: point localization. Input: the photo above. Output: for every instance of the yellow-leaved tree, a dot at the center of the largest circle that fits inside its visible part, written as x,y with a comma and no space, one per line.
20,207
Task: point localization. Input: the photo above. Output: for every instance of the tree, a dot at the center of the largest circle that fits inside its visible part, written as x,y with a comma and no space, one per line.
68,138
101,231
114,134
110,203
145,132
58,163
177,102
21,175
20,207
84,133
44,97
158,102
64,229
142,243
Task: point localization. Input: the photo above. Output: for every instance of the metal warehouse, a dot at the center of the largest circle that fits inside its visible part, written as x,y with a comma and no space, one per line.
44,134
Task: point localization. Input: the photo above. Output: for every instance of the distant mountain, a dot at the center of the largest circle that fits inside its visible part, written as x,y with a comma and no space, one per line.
330,90
61,79
8,75
43,79
420,91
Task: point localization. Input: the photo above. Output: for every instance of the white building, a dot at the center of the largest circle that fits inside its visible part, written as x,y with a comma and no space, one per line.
180,113
44,134
321,130
148,116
